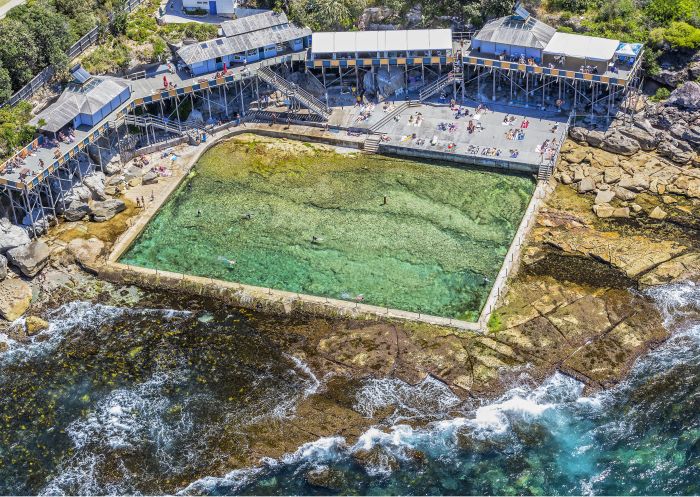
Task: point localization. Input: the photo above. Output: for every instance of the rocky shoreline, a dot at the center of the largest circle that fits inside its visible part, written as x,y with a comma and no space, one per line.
575,305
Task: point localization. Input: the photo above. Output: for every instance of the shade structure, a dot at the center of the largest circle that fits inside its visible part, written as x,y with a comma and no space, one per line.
381,41
581,47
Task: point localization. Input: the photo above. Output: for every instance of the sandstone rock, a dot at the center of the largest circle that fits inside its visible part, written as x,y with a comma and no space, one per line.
639,182
104,211
34,325
578,174
586,185
636,208
575,155
86,252
686,96
114,180
595,138
646,140
133,172
11,236
660,188
3,267
150,178
657,213
603,210
679,268
95,182
577,133
112,168
667,199
621,212
668,149
76,211
15,297
612,175
618,143
566,179
693,190
604,197
31,258
80,193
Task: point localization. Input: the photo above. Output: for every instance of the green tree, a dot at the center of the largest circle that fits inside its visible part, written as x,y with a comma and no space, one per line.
5,84
14,130
496,8
681,35
19,52
50,31
661,12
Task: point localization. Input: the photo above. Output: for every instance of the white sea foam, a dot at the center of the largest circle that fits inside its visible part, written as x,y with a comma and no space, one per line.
230,483
313,383
120,424
71,316
430,397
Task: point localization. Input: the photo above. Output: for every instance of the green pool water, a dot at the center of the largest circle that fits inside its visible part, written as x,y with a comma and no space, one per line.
433,247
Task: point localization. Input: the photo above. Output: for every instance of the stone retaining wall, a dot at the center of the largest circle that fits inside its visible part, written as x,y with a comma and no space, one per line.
472,160
282,302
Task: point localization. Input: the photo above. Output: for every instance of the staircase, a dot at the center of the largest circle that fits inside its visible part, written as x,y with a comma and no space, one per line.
545,170
398,110
371,144
265,116
432,88
175,127
294,91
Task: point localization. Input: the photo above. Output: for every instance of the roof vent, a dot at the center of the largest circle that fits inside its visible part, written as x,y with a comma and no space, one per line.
79,74
521,12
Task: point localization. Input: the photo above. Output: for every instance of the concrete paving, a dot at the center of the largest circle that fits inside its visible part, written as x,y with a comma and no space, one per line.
434,133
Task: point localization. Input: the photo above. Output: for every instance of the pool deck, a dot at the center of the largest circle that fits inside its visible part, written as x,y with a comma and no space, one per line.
279,301
469,147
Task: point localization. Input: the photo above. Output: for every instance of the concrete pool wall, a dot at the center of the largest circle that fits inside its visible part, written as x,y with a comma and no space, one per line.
279,301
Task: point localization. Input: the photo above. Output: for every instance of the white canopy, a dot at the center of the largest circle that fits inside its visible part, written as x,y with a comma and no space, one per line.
380,41
626,49
581,47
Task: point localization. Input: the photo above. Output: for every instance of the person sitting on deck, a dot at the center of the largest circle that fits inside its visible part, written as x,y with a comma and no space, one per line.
470,127
56,153
525,123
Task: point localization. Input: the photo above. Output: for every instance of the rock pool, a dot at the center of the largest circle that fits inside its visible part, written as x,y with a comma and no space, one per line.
294,216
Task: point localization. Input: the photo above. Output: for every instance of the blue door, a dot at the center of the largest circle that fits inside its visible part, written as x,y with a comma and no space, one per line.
212,7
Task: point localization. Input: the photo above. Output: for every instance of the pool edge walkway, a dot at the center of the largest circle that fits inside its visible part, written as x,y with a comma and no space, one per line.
280,301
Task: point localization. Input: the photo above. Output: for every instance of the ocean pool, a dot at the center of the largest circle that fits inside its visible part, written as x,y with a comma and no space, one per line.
409,235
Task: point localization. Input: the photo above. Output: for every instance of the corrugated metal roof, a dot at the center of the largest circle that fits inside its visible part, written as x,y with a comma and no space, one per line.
582,47
380,41
512,30
88,98
220,47
253,22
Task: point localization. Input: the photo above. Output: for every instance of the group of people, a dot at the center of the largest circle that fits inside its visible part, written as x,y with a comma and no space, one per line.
547,149
515,134
167,85
416,119
365,111
68,137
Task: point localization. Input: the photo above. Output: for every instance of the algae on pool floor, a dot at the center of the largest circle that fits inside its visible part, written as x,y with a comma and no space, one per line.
305,218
